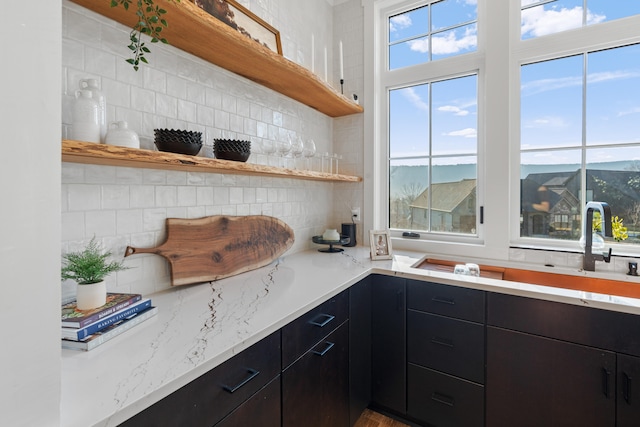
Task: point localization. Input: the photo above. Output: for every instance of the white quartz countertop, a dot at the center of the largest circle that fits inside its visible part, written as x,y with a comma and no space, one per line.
200,326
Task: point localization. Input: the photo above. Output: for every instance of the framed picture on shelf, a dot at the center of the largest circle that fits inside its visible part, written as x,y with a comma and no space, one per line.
380,241
244,21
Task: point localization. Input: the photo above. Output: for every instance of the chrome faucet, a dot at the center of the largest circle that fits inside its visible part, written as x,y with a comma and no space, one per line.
589,260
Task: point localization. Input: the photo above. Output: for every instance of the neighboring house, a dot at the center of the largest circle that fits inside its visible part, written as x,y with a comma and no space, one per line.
562,219
453,207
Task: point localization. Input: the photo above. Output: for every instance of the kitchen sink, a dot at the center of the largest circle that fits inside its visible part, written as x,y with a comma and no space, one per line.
544,278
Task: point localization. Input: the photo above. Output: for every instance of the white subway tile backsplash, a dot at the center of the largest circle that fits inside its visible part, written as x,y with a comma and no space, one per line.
83,197
177,90
129,221
115,197
102,222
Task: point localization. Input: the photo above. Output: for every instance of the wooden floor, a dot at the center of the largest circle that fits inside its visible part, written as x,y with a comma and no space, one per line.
374,419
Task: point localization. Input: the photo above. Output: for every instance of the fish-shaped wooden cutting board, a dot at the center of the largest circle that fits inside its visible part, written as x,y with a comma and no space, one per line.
211,248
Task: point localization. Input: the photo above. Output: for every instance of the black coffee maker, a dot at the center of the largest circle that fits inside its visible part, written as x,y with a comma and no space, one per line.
349,230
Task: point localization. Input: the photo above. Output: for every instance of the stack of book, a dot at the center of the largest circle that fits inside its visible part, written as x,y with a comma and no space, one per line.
87,329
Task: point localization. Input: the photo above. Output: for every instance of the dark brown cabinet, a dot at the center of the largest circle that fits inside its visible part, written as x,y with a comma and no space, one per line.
550,363
315,358
315,388
261,410
536,381
628,391
208,399
388,336
445,355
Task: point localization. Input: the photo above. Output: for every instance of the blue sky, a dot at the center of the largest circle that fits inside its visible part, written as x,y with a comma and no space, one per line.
551,91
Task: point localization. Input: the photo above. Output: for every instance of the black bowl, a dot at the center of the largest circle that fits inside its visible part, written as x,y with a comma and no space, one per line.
178,141
232,145
231,155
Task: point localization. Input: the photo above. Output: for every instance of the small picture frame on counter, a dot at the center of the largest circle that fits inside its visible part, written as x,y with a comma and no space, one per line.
380,241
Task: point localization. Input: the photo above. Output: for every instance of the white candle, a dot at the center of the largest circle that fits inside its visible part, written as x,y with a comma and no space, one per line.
341,62
313,53
326,74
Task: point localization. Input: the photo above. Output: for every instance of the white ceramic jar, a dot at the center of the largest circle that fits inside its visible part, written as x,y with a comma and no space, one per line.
120,134
92,86
85,125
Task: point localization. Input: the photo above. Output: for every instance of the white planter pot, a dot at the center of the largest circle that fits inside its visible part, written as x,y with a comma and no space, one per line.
91,296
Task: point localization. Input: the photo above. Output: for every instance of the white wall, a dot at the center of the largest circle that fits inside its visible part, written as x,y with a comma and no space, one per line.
30,220
126,206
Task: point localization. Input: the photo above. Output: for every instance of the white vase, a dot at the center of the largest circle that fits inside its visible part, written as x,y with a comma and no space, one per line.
91,296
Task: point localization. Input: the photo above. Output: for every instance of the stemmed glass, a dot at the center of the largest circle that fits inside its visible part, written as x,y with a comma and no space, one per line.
308,151
283,148
297,147
268,148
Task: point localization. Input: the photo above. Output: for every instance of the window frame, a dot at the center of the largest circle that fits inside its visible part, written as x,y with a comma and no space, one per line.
578,41
429,72
498,58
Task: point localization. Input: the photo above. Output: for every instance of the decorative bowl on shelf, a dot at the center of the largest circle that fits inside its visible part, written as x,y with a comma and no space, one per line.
229,149
178,141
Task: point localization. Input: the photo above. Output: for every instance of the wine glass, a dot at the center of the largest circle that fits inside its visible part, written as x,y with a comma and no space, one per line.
268,148
297,147
283,147
308,151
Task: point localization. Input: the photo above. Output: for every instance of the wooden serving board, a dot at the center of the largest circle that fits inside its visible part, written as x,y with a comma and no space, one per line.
214,247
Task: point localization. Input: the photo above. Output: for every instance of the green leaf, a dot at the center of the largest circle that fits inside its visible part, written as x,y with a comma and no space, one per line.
146,50
143,59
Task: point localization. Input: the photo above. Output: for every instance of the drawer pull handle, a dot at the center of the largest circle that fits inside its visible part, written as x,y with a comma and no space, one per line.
444,300
329,346
442,341
252,374
444,399
319,321
626,387
605,382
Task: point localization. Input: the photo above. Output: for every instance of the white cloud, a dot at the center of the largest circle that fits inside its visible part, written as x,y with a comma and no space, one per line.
450,44
466,133
635,110
544,85
410,94
539,21
545,122
453,109
399,22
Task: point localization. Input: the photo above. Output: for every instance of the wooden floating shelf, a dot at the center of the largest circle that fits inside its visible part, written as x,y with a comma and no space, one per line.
193,30
111,155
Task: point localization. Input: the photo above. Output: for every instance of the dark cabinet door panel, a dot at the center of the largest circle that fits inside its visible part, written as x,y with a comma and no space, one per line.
315,389
628,410
535,381
261,410
452,346
388,340
444,401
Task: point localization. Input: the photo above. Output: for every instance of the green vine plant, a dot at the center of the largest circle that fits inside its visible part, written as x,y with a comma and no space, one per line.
150,22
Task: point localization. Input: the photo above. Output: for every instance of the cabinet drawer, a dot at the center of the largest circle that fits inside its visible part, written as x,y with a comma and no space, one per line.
448,345
442,400
609,330
307,330
210,397
452,301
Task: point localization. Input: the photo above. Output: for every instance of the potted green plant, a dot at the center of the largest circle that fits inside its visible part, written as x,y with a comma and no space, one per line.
88,268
